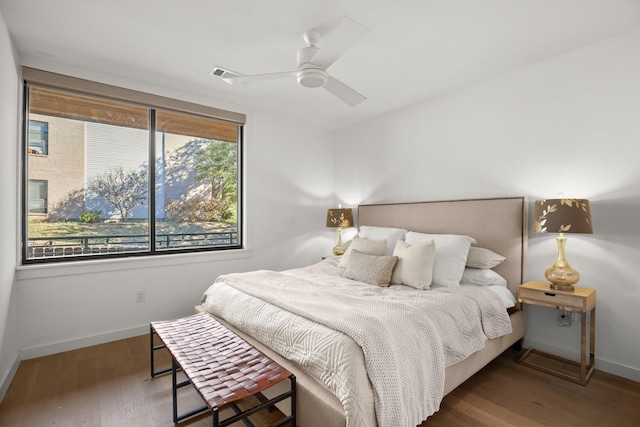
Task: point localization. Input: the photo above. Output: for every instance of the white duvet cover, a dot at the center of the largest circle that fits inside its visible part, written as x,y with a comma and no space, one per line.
381,351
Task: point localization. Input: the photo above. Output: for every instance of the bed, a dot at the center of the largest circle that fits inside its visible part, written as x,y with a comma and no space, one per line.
497,224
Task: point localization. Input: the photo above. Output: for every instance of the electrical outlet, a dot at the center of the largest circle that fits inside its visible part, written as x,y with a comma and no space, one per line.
140,295
565,318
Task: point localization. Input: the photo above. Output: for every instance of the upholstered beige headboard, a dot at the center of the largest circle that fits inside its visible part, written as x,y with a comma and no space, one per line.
498,224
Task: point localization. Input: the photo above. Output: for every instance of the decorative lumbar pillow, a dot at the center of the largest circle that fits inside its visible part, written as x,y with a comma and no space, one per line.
365,246
483,258
482,277
451,255
372,269
415,264
391,235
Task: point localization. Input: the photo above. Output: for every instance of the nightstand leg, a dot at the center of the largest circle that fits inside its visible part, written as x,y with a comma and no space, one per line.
583,348
592,340
587,369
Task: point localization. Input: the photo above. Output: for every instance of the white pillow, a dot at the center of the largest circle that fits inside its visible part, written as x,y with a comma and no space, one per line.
482,277
365,246
483,258
505,295
451,255
415,264
391,235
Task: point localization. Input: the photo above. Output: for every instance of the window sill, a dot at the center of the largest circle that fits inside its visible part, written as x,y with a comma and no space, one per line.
37,271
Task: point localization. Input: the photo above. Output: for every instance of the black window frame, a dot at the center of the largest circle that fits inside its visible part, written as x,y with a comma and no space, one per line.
152,250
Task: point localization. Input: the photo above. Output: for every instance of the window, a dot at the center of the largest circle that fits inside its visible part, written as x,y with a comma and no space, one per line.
123,178
37,196
38,137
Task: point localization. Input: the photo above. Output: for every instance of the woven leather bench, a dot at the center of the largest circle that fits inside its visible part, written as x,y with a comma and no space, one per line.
222,367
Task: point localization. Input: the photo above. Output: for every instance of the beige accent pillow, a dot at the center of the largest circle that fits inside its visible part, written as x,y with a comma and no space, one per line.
415,264
372,269
365,246
483,258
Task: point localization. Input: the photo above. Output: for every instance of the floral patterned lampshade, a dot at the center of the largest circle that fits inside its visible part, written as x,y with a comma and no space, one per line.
562,216
340,217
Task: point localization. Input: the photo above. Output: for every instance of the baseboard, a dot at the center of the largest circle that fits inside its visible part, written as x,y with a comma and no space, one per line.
59,347
6,381
624,371
604,365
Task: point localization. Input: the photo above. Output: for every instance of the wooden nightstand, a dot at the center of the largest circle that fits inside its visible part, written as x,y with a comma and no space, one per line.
581,300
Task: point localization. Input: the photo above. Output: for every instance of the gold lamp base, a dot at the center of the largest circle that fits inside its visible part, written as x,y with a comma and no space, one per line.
561,275
337,249
562,279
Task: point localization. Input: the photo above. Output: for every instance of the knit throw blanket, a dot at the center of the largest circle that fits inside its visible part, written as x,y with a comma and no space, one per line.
401,332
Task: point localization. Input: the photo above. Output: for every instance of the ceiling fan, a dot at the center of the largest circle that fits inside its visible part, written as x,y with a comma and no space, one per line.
313,62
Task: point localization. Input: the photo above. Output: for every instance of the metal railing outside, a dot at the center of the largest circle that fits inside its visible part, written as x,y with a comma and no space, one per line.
42,247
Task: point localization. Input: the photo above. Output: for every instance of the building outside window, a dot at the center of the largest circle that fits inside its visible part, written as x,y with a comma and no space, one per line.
124,179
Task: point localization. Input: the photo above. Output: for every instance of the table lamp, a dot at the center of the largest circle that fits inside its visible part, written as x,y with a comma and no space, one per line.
562,216
340,218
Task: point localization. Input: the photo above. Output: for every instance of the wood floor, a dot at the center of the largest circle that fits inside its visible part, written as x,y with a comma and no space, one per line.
110,385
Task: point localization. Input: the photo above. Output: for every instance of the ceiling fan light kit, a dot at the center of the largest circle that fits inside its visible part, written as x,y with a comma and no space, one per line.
312,77
313,63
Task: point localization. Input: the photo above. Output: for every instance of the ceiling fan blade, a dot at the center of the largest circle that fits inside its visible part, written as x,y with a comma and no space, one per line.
344,92
343,38
258,77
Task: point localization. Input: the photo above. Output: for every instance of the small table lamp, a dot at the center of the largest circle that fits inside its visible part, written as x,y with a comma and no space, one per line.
562,216
340,218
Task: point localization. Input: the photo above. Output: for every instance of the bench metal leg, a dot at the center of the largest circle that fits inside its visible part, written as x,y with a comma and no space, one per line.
243,415
294,401
175,386
216,417
152,352
238,411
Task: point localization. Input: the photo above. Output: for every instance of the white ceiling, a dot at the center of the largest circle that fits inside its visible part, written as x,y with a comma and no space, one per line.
416,49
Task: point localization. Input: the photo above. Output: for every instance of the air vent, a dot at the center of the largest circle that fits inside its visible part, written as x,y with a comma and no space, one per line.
217,72
223,73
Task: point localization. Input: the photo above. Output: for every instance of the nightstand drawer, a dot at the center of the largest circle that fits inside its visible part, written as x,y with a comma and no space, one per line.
553,299
539,293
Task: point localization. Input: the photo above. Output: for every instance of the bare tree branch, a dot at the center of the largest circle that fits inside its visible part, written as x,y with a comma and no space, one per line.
124,189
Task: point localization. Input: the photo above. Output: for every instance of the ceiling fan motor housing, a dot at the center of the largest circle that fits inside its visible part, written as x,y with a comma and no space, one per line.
310,75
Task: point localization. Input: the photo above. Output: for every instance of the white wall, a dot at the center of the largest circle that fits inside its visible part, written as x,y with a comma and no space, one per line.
9,101
289,177
567,124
